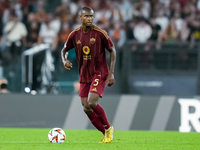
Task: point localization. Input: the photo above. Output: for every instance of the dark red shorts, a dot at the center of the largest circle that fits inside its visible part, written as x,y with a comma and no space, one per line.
97,86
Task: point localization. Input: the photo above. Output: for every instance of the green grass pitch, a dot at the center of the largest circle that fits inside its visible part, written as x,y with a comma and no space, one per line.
37,139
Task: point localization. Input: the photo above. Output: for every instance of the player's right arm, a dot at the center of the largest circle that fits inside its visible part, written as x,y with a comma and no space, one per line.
64,52
67,64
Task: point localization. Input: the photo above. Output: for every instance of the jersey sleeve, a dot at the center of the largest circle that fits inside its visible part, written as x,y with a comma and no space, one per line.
107,41
69,43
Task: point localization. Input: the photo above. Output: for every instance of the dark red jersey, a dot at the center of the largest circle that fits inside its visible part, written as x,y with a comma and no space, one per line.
90,52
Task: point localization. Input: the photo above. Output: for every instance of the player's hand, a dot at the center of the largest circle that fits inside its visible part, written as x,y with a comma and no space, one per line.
67,64
110,79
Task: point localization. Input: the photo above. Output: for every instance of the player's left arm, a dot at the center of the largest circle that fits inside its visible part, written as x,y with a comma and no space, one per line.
110,77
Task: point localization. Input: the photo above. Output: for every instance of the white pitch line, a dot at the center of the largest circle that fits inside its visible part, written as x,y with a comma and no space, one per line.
45,142
14,142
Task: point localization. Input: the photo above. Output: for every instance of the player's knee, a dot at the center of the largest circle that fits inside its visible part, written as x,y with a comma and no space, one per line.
92,104
87,110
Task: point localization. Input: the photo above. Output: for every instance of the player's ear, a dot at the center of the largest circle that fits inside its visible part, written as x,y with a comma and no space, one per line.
81,16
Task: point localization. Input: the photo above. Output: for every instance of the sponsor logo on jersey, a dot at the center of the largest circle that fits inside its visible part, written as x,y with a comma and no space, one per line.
94,89
86,50
92,40
78,42
86,57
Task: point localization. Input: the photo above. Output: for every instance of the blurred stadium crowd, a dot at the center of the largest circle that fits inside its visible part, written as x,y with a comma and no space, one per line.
26,23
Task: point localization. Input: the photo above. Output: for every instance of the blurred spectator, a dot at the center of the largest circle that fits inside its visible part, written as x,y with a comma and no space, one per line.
142,34
72,6
55,23
102,11
175,27
48,34
189,9
67,10
178,21
116,13
185,32
157,6
64,32
198,5
126,9
76,22
129,29
194,26
14,36
14,7
33,27
163,22
4,4
156,34
40,14
32,6
142,8
4,86
175,6
155,29
118,34
142,31
171,32
165,2
183,3
193,22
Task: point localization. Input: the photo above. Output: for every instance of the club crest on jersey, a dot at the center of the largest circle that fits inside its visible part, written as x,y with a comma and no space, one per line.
86,50
92,40
78,42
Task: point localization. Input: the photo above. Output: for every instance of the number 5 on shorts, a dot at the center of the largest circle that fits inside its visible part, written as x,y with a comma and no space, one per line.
96,82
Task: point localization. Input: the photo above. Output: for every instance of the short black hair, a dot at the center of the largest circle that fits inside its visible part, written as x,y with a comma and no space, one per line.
85,8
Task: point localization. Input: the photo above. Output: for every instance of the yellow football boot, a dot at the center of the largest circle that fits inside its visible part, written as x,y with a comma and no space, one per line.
103,140
109,134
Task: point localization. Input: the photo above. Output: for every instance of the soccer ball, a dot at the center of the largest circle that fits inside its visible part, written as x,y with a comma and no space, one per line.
56,135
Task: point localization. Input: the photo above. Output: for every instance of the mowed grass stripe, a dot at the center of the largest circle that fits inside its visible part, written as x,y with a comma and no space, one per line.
28,138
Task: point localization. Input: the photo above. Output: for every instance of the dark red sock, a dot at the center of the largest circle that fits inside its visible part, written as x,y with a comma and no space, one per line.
102,116
96,122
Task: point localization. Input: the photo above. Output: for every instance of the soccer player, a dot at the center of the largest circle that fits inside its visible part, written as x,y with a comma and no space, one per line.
90,42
